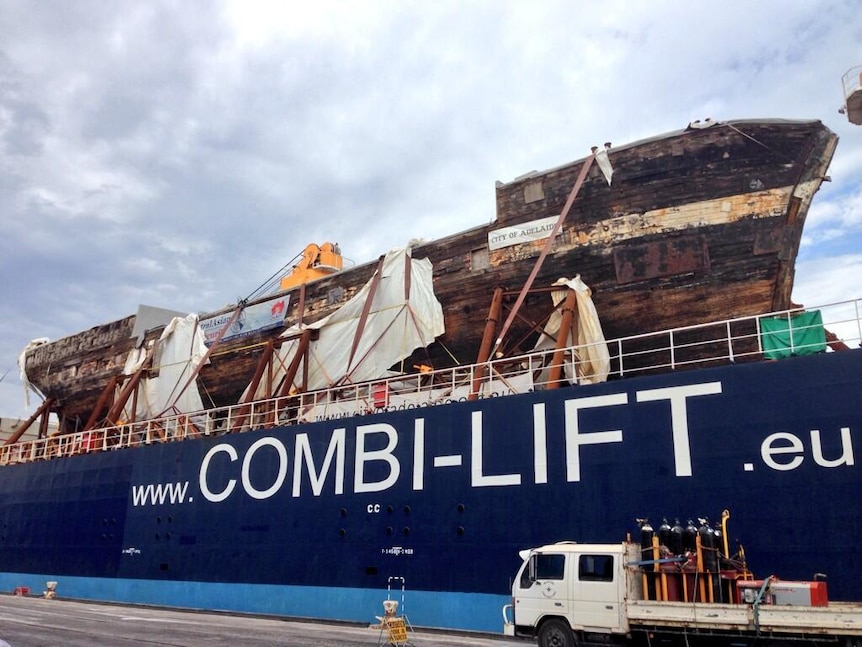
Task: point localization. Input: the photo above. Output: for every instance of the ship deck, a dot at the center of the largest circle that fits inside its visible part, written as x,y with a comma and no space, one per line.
718,343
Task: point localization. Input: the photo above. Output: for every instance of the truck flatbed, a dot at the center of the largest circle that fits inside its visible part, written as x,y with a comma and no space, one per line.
843,619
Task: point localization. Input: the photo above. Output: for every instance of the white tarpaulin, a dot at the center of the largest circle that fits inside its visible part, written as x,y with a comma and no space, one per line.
180,350
591,353
22,370
397,324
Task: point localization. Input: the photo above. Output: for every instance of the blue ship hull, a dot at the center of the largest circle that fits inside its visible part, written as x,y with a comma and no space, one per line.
313,520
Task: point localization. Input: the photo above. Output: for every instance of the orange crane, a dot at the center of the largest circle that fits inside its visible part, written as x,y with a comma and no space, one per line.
315,262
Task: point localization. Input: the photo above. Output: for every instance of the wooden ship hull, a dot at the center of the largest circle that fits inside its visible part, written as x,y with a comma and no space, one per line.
696,225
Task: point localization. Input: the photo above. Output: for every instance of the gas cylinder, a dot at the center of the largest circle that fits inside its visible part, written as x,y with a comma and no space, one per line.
689,537
664,533
707,544
647,534
676,538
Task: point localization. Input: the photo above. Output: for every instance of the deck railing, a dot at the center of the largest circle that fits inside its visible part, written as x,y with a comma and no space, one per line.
723,342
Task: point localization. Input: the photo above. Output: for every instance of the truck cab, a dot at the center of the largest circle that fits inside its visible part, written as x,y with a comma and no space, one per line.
568,589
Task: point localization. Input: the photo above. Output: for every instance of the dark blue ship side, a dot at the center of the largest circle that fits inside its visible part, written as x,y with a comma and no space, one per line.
312,520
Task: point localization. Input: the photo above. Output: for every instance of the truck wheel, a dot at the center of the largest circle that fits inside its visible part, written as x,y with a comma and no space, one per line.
556,633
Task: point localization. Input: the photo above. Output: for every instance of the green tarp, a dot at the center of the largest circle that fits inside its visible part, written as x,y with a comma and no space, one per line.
796,334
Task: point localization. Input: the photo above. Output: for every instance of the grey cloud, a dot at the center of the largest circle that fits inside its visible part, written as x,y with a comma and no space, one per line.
152,153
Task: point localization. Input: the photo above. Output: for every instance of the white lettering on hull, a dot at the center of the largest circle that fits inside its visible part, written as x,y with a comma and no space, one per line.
677,396
783,444
479,479
303,456
209,495
575,438
385,455
263,470
247,485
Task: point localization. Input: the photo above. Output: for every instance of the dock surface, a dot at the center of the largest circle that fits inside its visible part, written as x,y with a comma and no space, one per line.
36,622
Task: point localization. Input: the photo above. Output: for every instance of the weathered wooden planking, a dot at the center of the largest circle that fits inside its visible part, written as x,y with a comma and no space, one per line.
697,225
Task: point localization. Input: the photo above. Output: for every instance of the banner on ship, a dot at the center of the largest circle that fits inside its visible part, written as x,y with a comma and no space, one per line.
523,233
255,318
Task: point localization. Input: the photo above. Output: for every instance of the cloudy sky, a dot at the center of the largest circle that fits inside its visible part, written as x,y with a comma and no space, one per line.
178,153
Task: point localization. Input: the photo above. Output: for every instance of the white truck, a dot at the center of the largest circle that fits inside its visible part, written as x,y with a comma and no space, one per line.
568,594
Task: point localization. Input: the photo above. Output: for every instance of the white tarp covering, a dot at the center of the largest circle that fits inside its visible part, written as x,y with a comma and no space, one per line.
22,369
396,325
180,350
604,163
591,355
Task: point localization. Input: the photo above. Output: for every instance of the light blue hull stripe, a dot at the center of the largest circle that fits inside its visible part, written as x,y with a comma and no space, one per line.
444,610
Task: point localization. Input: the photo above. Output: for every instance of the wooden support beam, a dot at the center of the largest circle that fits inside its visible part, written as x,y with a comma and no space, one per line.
487,341
300,355
547,248
134,416
113,415
105,400
43,424
569,315
130,386
835,343
263,362
366,308
533,326
270,370
44,408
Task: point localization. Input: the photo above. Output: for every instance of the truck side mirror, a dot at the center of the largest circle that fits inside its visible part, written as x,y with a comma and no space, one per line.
527,573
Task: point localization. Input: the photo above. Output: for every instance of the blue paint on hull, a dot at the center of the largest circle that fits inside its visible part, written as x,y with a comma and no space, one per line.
478,611
313,520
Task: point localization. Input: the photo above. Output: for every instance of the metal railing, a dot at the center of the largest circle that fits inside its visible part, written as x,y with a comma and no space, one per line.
723,342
